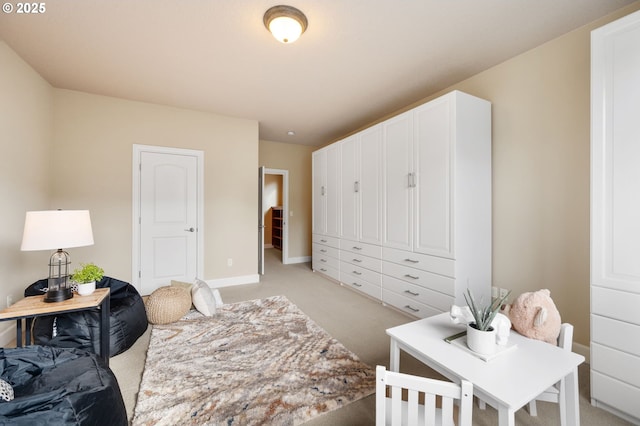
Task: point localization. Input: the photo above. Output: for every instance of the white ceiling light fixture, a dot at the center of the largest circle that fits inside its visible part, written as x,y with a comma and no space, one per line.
286,23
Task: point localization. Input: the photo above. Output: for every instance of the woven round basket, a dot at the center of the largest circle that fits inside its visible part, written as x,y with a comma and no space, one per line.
167,304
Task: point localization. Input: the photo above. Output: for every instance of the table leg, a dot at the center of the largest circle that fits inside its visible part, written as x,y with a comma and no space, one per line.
394,356
27,331
19,332
572,396
506,416
104,330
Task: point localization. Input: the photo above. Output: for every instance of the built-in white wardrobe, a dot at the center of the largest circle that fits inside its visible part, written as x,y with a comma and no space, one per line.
402,210
615,217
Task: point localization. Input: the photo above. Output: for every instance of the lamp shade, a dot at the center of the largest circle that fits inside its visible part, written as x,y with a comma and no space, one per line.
56,229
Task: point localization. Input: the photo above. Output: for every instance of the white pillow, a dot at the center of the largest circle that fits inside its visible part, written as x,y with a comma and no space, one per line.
6,390
203,298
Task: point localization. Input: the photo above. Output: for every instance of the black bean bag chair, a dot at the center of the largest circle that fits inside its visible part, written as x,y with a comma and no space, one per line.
56,386
128,320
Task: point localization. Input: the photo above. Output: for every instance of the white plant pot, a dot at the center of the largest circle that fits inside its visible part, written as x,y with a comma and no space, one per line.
482,342
86,289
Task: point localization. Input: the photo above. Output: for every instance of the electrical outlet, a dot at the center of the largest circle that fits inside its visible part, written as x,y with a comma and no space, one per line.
494,292
503,292
9,300
229,262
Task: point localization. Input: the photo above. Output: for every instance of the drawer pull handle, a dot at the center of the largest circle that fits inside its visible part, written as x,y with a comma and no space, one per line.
323,270
357,273
412,308
323,260
357,248
323,241
413,277
357,285
412,261
412,293
357,260
323,250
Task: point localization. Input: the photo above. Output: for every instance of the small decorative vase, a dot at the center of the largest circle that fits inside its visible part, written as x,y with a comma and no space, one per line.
85,289
482,342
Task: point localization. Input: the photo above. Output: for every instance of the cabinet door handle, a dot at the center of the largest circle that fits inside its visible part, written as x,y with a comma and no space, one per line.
411,308
413,277
356,186
322,191
412,293
409,176
412,261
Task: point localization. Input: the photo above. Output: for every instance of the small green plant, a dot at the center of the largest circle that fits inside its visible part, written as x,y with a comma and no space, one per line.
484,315
86,273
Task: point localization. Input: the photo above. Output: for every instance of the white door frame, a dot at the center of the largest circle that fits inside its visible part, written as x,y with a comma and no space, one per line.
135,217
285,211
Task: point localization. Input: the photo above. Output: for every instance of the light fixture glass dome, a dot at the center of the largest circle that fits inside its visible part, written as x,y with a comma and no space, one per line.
286,23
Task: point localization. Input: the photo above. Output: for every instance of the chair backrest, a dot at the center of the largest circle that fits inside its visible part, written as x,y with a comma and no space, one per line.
565,339
394,411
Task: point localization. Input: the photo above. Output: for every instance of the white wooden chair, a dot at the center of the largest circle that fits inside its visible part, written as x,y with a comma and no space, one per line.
394,411
556,392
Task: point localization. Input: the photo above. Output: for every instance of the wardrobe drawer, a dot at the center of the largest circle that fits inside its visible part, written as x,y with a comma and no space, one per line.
326,240
418,293
407,305
438,265
326,270
325,250
361,248
322,259
615,304
616,334
619,365
349,271
419,277
363,286
616,394
360,260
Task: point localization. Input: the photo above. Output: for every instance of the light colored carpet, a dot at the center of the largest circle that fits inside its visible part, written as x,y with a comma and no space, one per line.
253,363
359,324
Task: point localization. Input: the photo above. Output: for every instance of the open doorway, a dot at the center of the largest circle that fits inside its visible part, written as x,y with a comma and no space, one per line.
274,214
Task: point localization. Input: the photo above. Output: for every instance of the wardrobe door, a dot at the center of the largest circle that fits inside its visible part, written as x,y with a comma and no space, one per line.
370,186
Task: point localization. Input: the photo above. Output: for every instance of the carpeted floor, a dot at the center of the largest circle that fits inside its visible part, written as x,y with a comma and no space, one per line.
359,324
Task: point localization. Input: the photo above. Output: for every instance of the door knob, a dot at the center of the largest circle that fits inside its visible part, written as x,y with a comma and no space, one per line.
190,229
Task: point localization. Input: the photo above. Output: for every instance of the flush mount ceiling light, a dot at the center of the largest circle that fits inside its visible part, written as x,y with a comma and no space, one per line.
286,23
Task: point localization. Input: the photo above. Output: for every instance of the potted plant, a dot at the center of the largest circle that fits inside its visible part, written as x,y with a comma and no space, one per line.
86,276
481,337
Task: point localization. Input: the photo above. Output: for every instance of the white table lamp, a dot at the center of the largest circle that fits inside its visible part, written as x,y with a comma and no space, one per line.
54,230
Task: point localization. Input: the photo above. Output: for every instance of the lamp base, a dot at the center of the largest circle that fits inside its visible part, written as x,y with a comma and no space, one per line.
58,295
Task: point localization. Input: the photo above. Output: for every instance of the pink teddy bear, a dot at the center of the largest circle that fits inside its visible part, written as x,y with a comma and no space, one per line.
535,315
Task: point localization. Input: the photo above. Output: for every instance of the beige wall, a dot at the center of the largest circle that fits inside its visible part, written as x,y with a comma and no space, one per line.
25,126
93,139
297,160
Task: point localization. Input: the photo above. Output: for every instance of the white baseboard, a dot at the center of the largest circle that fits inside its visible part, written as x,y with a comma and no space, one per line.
8,335
231,281
582,350
292,260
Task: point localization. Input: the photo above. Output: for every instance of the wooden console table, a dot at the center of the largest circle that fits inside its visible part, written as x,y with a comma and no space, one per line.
35,306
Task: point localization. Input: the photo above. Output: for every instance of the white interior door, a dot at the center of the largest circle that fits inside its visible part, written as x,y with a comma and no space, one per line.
169,226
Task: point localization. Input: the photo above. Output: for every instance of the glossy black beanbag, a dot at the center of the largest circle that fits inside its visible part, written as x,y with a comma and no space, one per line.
128,321
56,386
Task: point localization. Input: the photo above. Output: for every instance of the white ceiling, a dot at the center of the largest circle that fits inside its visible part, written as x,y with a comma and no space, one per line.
358,60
